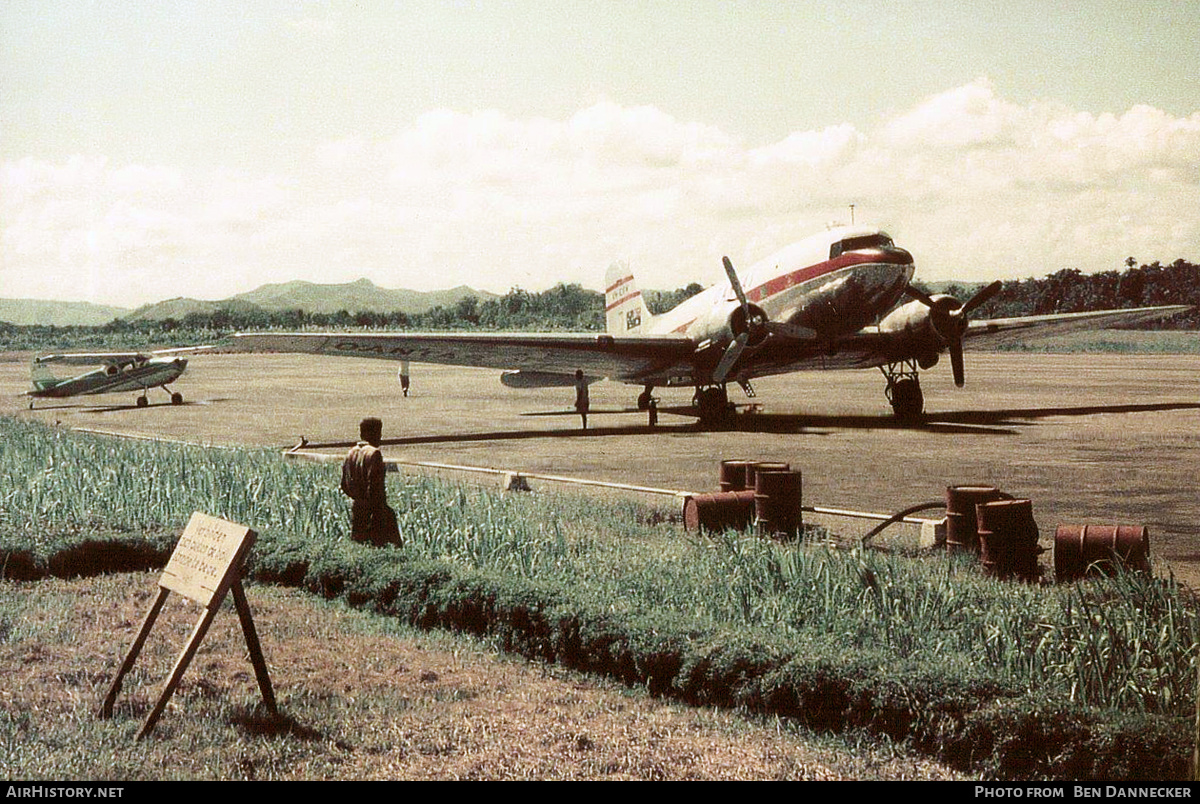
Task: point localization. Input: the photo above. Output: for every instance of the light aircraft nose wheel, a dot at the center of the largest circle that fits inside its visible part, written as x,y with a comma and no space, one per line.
176,398
142,401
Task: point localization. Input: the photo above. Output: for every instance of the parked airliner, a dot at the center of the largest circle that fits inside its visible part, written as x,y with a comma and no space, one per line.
827,302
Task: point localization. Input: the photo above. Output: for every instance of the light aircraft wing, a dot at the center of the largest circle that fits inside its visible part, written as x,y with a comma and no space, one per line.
598,355
1024,328
114,358
92,358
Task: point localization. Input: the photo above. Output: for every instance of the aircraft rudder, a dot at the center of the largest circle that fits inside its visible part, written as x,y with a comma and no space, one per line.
41,376
625,311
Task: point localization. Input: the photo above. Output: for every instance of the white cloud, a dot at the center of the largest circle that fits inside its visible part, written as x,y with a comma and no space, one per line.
975,185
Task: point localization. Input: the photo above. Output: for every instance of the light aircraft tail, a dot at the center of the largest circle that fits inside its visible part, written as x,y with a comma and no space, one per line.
41,376
625,311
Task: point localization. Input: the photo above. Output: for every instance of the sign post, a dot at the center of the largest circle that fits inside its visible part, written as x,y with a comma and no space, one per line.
206,564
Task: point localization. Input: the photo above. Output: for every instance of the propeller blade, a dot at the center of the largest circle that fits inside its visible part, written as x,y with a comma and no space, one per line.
982,297
920,296
732,353
956,362
737,285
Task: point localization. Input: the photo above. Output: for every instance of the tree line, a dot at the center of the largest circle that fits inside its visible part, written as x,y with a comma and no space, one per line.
570,307
1071,291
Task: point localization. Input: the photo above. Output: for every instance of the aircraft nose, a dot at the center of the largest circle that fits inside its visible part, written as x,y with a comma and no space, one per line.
181,362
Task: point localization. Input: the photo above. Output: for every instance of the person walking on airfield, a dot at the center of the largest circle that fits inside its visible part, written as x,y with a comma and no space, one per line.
582,403
363,481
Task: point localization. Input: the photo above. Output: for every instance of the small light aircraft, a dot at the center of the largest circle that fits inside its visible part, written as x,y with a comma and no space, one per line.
118,372
826,302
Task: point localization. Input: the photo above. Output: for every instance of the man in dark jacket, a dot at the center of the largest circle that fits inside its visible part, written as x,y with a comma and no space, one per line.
363,480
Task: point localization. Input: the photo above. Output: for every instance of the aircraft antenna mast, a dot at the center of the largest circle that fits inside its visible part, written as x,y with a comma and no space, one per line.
851,214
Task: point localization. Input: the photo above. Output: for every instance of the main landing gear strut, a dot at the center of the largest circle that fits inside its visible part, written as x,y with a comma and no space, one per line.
904,389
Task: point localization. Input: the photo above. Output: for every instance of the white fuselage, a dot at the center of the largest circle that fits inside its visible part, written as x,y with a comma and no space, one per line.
137,376
804,284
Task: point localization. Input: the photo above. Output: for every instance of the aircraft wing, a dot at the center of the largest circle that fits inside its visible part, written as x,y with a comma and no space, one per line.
598,355
1023,328
870,347
113,358
92,358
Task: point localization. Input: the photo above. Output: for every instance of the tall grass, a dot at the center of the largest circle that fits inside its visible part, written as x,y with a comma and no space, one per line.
1127,642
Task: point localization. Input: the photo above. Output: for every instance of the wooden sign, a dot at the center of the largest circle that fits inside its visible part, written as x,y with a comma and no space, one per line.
208,556
206,564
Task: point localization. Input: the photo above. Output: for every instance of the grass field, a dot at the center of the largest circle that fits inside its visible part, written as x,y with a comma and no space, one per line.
1126,646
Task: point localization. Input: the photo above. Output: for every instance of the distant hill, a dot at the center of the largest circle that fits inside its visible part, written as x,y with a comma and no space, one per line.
353,297
180,307
361,296
25,312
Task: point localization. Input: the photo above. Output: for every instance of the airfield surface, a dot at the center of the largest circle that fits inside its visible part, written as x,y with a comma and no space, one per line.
1090,439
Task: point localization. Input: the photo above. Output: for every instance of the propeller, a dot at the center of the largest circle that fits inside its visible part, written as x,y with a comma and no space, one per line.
950,321
757,326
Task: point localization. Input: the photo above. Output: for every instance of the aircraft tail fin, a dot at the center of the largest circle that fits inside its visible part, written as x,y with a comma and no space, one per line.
625,311
41,376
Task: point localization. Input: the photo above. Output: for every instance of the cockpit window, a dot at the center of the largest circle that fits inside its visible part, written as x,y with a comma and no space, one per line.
880,240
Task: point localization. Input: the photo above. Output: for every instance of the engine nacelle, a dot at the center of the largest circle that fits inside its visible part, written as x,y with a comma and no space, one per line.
540,379
914,323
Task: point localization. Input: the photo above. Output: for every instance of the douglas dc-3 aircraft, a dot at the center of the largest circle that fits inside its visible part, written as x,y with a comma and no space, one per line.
825,302
118,372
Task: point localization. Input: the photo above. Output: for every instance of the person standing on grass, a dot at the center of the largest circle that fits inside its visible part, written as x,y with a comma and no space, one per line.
582,403
363,481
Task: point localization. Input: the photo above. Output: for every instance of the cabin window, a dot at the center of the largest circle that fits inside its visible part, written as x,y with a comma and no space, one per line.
880,240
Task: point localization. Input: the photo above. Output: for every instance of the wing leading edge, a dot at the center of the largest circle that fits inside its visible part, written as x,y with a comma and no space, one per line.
1016,330
618,358
655,359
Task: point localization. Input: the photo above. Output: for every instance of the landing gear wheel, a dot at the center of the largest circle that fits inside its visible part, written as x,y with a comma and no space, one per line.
908,403
142,401
713,405
176,398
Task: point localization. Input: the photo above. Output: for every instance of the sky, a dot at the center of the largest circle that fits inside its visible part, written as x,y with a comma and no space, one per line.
150,150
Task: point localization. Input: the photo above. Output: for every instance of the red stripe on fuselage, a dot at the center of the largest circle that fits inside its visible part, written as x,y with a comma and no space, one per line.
782,283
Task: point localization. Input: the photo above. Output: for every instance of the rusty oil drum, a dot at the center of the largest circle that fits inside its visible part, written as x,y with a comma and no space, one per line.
777,499
722,510
962,530
733,475
1008,539
754,467
1081,550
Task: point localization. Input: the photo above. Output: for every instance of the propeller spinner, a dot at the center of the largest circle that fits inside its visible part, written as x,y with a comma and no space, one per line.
950,321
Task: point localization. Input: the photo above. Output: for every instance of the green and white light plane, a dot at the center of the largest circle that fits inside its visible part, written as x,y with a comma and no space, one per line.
118,372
